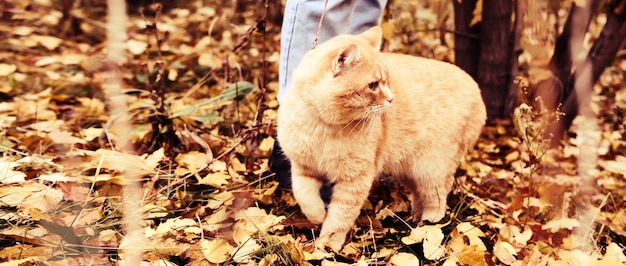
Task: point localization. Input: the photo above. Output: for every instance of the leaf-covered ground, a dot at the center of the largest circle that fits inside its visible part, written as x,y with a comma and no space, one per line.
202,103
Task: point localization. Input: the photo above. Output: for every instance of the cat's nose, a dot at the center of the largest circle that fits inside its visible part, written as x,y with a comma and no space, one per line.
390,99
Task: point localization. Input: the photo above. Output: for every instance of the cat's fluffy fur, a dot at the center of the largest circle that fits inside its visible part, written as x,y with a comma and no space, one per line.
353,113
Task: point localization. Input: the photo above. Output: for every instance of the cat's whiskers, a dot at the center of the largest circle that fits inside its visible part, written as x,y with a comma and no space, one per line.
368,116
374,112
350,123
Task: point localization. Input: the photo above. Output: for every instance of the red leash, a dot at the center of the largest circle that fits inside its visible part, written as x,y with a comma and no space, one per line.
319,26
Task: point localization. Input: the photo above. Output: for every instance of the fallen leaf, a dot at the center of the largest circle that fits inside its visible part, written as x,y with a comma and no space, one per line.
119,161
561,223
505,252
219,198
173,225
31,195
7,69
317,254
614,255
216,220
8,175
431,237
65,137
217,179
255,219
403,258
208,60
49,42
193,161
245,250
616,166
23,30
109,235
335,263
432,245
216,251
472,253
136,47
153,211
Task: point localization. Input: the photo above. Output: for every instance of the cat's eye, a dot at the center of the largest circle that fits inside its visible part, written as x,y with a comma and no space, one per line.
373,85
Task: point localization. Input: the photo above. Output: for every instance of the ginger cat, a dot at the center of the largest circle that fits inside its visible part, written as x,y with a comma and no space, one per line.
353,113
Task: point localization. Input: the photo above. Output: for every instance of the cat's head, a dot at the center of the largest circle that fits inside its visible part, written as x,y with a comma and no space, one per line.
345,78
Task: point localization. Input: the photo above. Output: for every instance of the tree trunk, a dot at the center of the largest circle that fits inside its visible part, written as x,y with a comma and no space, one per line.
495,56
466,48
568,46
511,98
600,56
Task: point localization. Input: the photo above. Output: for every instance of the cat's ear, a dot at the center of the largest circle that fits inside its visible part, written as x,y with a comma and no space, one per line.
345,58
374,36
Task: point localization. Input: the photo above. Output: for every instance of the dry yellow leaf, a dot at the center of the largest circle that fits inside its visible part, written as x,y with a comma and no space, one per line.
217,179
31,195
209,60
172,75
49,42
119,161
23,30
266,145
91,107
47,126
616,166
432,244
193,161
25,261
216,251
136,47
255,219
472,254
109,235
560,223
477,15
65,137
173,225
245,250
13,196
153,211
8,175
614,254
403,258
237,165
91,133
216,220
7,69
505,252
317,254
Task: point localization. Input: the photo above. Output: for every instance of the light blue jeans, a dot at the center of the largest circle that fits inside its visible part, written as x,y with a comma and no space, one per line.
300,25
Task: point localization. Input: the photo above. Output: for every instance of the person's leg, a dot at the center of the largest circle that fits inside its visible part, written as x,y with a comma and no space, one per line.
368,13
300,22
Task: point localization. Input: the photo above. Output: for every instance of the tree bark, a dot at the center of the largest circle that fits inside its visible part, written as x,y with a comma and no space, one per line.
495,56
466,49
599,57
568,46
511,98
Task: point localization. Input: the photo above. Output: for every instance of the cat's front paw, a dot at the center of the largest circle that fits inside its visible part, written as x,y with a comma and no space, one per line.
433,214
332,240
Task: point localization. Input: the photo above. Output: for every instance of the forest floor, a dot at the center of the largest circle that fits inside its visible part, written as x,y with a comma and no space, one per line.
193,82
